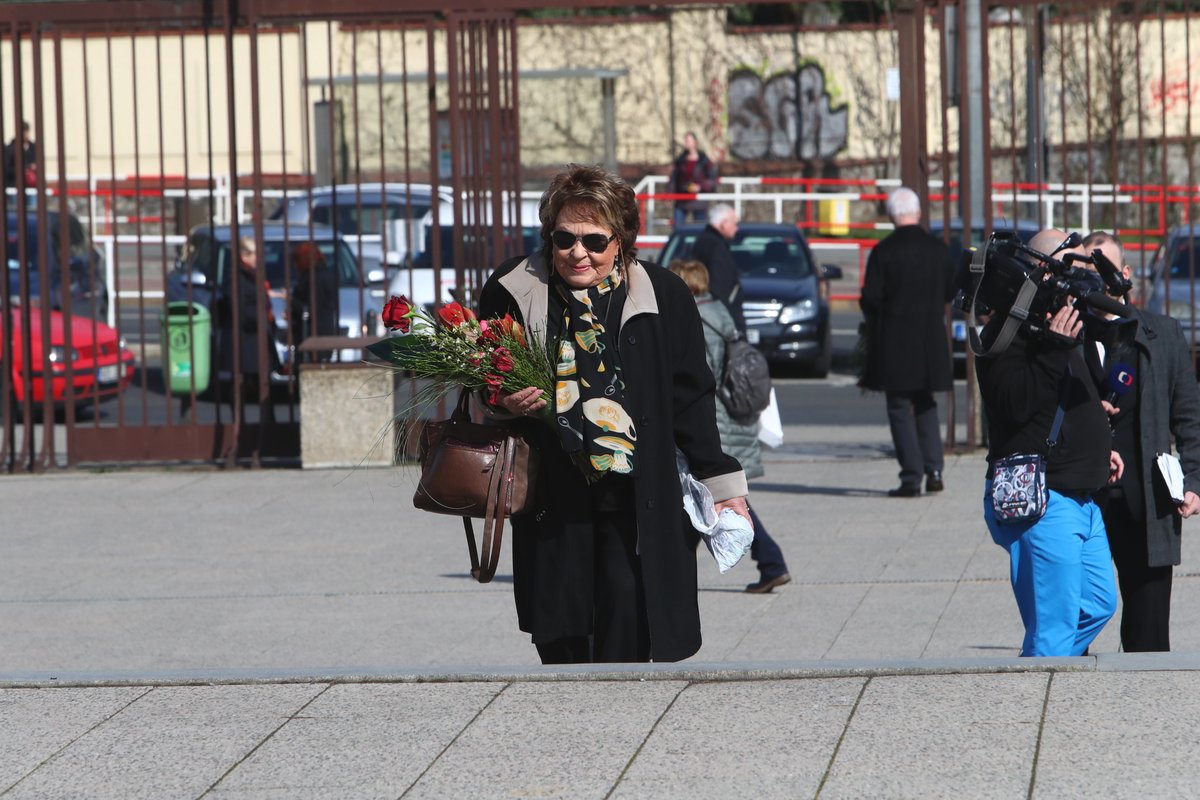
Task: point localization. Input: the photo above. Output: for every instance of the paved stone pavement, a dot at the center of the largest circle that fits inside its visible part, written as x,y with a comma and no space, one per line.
180,633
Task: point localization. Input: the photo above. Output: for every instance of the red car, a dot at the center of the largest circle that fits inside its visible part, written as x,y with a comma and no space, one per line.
101,365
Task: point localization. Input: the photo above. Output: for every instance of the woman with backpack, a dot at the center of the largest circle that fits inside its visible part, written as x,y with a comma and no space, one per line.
738,439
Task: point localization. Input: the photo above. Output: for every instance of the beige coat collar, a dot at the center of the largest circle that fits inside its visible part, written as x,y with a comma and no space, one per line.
529,285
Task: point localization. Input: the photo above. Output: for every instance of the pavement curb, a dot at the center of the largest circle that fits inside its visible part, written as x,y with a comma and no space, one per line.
699,672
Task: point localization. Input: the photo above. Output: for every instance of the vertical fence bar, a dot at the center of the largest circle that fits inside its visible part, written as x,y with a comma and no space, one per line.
162,225
28,453
1140,168
264,338
115,289
8,445
293,335
64,251
97,311
435,244
384,216
1191,190
48,458
137,225
188,403
237,395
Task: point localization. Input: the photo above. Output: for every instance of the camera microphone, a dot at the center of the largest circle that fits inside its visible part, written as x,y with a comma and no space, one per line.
1103,302
1120,381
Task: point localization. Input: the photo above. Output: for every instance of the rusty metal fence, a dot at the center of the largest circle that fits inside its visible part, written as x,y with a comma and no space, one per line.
150,154
157,143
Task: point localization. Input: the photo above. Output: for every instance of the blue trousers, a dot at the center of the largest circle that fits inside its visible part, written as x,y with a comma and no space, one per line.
1061,572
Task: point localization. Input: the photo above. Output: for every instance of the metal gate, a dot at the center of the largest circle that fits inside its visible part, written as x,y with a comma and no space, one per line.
159,140
163,148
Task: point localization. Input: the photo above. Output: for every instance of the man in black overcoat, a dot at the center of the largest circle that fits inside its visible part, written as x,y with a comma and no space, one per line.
1143,523
909,279
711,249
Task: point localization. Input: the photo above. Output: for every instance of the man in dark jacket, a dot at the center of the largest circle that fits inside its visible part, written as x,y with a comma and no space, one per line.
711,249
1143,522
909,279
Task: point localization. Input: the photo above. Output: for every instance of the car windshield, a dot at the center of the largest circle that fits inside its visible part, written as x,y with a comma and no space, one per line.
531,241
276,266
369,217
757,255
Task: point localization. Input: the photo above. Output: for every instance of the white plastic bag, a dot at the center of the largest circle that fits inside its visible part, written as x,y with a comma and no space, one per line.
729,535
770,427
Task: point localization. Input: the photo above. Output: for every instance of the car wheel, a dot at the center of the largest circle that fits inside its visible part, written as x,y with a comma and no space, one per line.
819,366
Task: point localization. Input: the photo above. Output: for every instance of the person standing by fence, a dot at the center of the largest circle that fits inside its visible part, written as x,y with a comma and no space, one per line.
693,172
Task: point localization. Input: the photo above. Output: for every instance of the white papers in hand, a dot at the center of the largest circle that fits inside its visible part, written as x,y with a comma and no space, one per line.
1172,473
727,535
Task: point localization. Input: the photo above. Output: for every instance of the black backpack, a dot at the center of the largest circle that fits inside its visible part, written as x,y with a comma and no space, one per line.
744,385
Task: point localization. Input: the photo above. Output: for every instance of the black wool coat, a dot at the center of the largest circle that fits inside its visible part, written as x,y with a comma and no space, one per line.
670,393
909,279
1168,407
247,323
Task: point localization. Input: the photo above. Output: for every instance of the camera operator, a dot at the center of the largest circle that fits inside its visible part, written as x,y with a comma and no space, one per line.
1151,395
1061,570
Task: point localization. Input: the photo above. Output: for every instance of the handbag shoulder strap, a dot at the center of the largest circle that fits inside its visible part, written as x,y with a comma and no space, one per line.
1061,411
499,497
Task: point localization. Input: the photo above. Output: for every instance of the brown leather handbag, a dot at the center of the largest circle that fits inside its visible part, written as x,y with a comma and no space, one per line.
477,472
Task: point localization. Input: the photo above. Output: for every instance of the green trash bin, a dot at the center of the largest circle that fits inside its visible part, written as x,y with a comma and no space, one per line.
187,344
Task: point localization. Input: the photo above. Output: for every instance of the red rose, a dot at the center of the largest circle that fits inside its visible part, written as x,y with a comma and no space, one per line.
398,314
506,326
453,315
502,359
476,358
494,382
489,332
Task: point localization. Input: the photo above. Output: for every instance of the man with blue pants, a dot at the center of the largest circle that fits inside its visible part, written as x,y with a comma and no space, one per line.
1060,565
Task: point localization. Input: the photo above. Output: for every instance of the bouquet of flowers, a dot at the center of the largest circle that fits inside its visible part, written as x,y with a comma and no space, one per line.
456,349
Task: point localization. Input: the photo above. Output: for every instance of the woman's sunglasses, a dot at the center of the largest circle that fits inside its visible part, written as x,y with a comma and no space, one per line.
592,242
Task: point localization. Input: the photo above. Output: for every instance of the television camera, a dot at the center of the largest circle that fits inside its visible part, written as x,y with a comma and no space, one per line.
1010,278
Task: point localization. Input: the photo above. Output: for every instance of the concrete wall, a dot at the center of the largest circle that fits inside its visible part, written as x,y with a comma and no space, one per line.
686,71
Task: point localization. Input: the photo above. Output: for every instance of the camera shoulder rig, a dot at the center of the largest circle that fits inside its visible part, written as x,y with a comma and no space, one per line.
1015,317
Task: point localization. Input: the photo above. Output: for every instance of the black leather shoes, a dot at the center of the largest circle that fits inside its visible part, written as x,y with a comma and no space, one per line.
767,584
905,491
933,481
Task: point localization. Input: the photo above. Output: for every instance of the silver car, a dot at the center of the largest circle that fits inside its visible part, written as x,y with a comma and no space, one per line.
367,215
1172,289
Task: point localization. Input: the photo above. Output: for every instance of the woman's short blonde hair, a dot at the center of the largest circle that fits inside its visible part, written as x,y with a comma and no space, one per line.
693,272
595,195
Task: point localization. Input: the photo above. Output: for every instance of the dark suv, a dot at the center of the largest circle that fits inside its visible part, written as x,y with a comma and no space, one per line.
87,287
784,295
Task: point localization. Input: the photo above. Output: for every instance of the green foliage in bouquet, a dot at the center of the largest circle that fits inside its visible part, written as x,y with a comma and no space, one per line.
455,349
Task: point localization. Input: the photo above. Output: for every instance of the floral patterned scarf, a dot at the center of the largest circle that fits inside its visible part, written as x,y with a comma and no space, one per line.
593,426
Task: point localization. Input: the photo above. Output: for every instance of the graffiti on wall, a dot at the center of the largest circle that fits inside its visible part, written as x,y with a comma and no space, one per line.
787,116
1175,90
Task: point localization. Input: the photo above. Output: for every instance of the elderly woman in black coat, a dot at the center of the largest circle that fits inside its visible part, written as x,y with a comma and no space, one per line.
604,568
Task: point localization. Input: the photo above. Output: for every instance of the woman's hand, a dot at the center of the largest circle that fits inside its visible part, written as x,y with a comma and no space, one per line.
524,403
738,504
